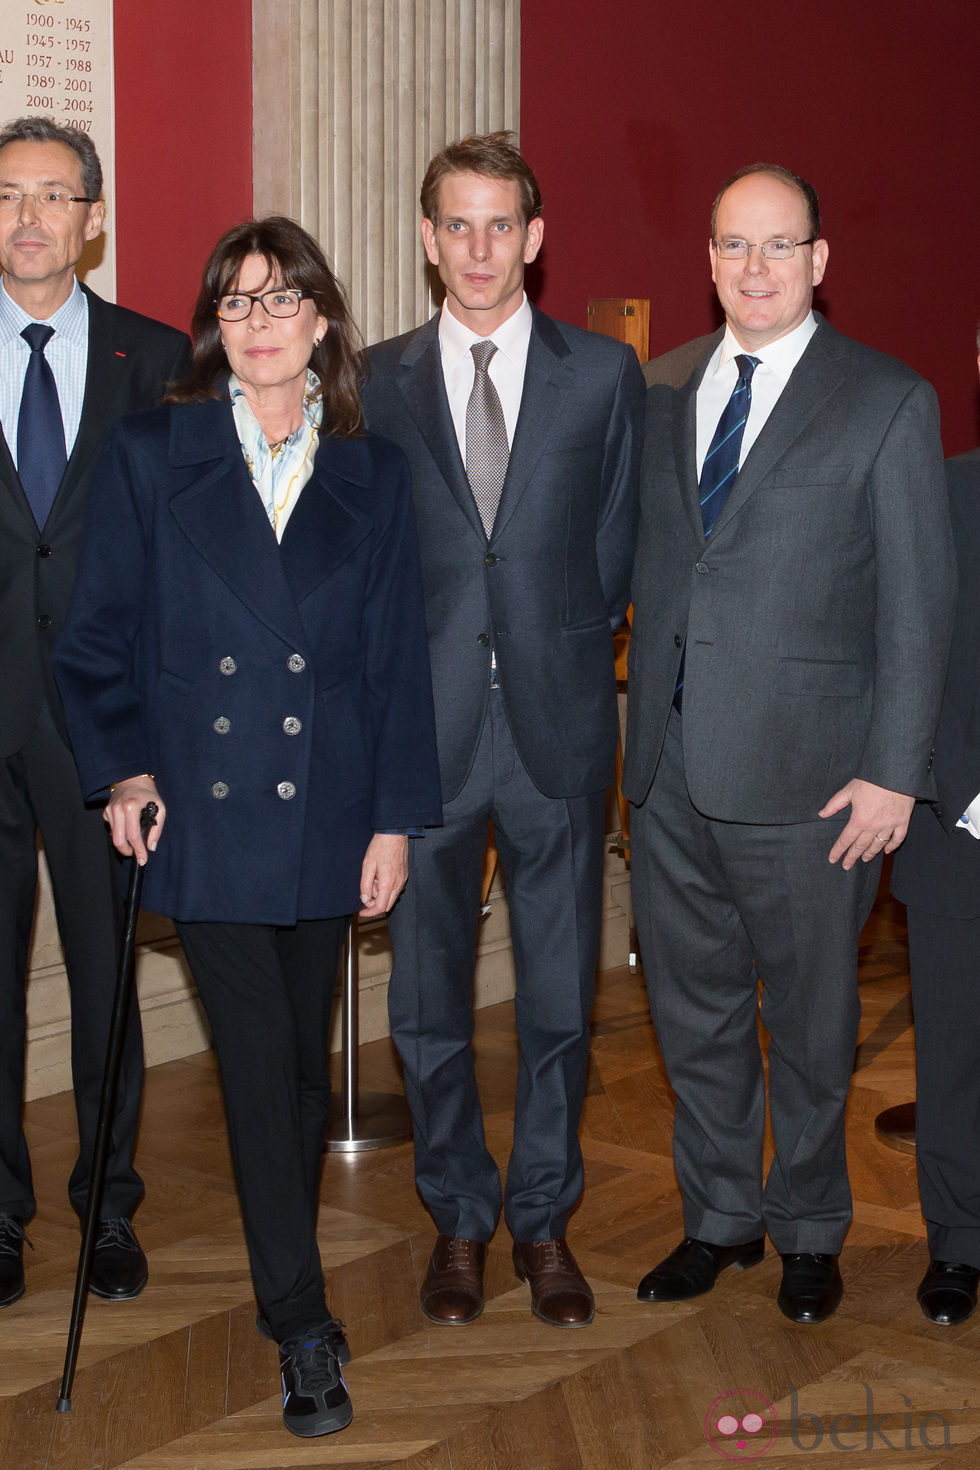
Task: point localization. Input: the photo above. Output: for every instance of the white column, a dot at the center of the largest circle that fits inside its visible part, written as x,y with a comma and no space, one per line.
351,100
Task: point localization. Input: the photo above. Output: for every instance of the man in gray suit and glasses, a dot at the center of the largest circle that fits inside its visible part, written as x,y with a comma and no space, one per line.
523,437
792,593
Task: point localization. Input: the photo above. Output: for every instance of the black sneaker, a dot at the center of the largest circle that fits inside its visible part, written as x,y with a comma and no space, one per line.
314,1395
332,1331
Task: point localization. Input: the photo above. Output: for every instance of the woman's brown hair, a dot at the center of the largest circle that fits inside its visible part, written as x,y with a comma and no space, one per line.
295,260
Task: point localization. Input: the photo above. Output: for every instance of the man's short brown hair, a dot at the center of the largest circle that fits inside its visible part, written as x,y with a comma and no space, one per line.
493,156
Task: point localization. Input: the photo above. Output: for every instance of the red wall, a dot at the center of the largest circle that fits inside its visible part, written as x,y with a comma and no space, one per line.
183,144
632,115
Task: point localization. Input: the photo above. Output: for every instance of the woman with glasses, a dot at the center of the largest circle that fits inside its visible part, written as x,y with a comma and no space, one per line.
246,647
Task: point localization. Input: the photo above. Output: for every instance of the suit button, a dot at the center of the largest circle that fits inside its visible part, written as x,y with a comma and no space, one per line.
296,663
219,790
700,566
286,790
491,560
44,621
222,725
678,641
44,550
483,640
228,665
292,725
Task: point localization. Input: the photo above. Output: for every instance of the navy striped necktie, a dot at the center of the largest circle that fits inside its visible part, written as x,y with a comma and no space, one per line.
720,468
41,456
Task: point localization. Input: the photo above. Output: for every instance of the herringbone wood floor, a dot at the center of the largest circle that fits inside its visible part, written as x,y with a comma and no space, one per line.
179,1379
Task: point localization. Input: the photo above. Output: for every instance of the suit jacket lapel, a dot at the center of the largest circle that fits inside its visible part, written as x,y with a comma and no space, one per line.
685,449
423,388
222,516
105,371
547,377
14,489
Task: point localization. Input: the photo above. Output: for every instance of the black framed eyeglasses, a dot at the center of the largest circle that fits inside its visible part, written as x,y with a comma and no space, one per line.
237,305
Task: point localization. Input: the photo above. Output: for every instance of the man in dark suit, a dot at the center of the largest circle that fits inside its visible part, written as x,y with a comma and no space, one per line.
937,875
523,437
69,365
792,596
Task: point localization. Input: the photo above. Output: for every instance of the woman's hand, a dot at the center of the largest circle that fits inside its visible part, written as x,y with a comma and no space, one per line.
122,816
384,873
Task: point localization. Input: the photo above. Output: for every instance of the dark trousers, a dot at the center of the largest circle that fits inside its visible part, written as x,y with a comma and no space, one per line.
944,963
551,851
268,994
720,905
39,789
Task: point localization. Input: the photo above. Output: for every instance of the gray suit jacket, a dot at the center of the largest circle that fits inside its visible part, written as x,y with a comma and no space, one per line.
937,868
553,579
816,620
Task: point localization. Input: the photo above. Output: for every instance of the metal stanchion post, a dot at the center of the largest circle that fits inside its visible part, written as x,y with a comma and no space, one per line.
362,1120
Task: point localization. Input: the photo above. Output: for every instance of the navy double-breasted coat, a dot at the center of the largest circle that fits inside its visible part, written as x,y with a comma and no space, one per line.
280,694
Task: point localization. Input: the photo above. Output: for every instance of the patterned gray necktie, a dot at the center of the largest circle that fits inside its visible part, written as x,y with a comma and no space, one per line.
487,450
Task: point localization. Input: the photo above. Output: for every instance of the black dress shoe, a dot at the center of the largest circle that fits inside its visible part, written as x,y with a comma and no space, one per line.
811,1287
119,1270
12,1239
692,1269
332,1330
947,1292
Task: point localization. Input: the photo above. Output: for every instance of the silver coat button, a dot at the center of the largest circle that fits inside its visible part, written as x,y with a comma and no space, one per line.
222,725
228,665
292,725
219,790
296,663
286,790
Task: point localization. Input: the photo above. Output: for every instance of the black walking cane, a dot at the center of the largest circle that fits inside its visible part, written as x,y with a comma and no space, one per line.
107,1108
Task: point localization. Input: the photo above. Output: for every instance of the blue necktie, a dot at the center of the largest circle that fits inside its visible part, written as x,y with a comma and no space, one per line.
41,456
720,469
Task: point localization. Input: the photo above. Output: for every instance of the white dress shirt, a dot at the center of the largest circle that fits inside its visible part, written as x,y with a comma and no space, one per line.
67,352
776,362
506,369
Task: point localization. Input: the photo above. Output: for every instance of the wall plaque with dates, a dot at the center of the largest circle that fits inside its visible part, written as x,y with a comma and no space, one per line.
56,61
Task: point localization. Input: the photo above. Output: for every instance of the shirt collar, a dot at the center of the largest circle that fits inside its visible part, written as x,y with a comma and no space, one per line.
780,356
70,320
510,338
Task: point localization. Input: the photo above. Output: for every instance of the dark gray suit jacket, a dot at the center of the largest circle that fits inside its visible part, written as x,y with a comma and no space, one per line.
816,620
130,360
937,868
553,579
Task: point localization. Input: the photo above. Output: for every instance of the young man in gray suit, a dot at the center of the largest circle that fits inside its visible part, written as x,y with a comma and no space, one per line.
937,874
70,364
523,437
792,595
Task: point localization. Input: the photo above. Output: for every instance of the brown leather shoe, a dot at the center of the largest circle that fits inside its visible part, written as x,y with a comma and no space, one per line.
560,1294
452,1291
